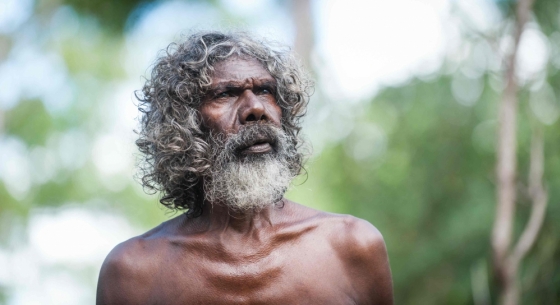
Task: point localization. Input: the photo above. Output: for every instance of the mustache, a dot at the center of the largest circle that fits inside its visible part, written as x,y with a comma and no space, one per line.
247,135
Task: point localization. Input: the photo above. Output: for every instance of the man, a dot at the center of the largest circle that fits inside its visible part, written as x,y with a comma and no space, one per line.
221,117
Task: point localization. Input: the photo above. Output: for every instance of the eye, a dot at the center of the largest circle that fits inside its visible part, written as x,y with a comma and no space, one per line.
222,95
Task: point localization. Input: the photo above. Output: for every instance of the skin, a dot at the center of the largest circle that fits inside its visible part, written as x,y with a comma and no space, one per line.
283,254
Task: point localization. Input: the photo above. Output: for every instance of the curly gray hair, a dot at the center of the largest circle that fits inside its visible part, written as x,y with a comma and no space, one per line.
172,140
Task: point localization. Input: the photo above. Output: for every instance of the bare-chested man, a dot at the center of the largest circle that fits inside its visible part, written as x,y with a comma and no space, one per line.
219,133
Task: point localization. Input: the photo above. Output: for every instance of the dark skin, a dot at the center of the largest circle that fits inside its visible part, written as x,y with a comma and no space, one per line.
283,254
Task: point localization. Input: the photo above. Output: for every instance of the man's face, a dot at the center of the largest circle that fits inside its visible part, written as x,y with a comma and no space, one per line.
242,93
253,159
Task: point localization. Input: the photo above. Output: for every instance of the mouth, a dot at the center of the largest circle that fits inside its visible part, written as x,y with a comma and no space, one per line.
259,146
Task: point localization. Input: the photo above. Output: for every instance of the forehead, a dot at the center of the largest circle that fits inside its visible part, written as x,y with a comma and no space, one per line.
239,70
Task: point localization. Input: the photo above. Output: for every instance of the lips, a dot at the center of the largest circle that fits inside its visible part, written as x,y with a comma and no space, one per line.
257,146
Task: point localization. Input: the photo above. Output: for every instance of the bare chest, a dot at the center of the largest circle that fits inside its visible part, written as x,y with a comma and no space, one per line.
288,275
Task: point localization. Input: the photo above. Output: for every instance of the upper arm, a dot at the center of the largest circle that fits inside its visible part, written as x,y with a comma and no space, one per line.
367,261
121,280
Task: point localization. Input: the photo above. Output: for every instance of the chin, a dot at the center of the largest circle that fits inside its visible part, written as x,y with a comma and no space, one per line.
252,185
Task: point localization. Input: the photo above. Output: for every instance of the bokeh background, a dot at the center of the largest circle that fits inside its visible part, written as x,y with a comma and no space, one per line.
402,122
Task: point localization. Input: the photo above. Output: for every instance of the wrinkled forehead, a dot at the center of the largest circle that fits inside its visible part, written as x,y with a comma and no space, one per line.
238,64
240,69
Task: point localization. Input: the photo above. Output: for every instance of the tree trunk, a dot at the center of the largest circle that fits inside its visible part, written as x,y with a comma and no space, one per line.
506,262
305,38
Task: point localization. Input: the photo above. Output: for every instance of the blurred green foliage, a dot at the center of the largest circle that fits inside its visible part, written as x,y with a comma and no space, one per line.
432,194
111,14
546,12
30,122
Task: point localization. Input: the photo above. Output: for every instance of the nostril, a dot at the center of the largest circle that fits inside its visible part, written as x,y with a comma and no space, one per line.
251,117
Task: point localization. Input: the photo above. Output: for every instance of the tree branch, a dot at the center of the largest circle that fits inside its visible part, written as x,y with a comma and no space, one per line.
505,262
507,148
539,198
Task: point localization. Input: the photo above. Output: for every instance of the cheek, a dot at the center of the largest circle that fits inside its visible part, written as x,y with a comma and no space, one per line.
275,112
218,118
211,117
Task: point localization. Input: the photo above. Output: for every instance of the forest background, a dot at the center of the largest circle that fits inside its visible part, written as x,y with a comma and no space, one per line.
403,124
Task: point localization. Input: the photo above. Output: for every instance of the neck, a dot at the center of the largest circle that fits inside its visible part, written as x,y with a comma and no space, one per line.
219,217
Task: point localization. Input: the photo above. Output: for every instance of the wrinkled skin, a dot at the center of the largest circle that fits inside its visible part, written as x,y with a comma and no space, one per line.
284,254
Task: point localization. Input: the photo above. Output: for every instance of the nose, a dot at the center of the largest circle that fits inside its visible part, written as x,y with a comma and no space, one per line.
252,109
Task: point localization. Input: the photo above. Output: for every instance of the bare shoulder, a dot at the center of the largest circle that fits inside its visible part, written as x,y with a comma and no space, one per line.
357,236
127,267
343,230
361,250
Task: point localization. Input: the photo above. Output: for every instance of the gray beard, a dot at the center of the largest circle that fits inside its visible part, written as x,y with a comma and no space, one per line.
251,182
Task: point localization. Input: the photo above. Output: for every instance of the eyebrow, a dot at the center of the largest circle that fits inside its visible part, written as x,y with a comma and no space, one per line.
268,83
226,86
233,85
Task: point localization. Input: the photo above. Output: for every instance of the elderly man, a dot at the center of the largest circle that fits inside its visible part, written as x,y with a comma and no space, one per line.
219,133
